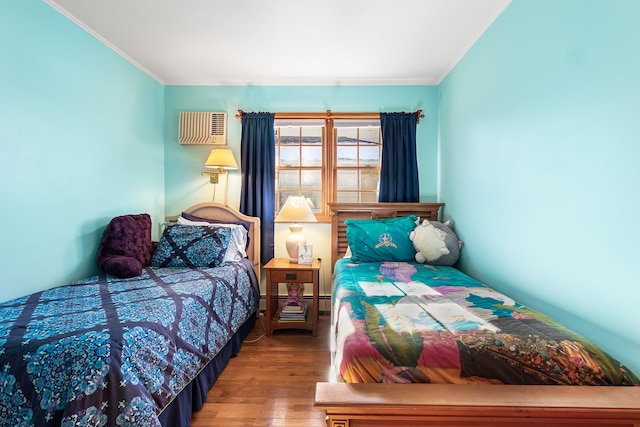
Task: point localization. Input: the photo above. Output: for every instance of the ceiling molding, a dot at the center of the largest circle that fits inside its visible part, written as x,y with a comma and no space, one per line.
287,43
103,40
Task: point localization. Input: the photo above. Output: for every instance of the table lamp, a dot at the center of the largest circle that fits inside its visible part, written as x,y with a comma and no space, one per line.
296,210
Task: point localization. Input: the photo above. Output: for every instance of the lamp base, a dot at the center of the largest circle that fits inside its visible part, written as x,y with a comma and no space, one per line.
293,240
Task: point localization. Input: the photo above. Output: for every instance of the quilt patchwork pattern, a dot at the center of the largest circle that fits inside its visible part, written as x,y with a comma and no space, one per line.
114,352
411,322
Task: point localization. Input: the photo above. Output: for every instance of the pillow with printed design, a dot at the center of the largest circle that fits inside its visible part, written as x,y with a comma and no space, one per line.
191,246
239,237
385,239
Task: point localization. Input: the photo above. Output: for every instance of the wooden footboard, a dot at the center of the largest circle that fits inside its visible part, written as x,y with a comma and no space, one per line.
371,405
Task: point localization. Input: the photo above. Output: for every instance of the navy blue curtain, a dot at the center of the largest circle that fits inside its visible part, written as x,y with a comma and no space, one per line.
257,197
399,169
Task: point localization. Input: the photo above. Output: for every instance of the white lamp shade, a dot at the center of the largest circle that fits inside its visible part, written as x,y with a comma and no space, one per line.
221,158
296,210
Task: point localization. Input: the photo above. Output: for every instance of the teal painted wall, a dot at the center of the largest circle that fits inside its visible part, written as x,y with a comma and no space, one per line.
183,164
185,185
81,141
539,144
534,129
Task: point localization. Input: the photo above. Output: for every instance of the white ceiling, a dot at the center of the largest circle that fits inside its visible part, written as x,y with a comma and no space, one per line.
288,42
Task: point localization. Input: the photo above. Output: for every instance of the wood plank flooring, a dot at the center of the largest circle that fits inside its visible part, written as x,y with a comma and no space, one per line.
271,382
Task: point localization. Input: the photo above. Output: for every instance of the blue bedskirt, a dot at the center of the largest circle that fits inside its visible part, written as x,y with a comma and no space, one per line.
192,398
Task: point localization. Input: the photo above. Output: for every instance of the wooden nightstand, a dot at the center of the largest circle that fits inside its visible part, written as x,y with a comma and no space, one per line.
280,270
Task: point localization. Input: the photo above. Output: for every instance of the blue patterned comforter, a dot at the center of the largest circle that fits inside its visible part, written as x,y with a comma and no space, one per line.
107,351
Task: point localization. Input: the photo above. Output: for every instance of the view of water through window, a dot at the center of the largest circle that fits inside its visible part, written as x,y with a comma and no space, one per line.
302,163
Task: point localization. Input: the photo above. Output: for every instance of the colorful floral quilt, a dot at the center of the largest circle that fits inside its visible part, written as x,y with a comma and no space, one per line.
407,322
114,352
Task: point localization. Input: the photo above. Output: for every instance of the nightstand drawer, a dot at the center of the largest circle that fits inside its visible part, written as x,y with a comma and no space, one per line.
292,276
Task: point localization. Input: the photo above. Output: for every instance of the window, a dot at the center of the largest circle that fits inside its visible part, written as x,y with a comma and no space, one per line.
328,159
300,161
358,148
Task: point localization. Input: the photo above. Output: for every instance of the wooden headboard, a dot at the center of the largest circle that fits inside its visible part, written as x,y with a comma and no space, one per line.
218,211
343,211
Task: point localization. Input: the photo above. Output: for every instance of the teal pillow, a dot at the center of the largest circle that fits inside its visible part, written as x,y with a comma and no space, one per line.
381,239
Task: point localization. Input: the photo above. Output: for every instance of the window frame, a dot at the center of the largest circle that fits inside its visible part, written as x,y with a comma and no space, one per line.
300,167
359,145
329,167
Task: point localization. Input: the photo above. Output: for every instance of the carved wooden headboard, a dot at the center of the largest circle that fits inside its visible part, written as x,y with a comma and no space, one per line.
343,211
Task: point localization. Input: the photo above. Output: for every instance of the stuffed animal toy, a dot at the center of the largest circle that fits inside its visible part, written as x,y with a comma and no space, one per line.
436,243
295,293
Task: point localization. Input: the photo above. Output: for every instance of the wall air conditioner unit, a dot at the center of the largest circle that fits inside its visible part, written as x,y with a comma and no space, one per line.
202,128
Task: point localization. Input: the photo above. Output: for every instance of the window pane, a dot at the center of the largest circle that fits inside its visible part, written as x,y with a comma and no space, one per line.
356,123
311,179
369,156
299,122
289,180
344,197
289,156
369,197
312,135
347,179
347,156
282,198
370,134
289,134
347,135
314,200
369,180
311,156
354,156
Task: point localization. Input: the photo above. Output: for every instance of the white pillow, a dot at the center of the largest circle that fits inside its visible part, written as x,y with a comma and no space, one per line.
237,244
348,254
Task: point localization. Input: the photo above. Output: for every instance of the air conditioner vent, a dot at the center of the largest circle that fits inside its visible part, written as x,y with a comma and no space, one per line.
202,128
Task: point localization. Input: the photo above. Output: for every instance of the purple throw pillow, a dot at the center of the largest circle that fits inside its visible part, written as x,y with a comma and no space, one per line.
122,266
126,236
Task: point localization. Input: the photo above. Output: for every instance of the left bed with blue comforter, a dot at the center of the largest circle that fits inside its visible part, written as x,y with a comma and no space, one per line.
132,351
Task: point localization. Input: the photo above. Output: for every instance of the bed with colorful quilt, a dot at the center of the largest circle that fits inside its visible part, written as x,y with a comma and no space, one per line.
412,322
141,344
447,349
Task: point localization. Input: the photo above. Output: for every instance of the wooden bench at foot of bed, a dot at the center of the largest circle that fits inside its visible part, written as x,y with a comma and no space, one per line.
372,405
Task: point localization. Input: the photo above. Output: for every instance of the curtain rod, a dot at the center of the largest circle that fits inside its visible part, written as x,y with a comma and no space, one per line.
329,115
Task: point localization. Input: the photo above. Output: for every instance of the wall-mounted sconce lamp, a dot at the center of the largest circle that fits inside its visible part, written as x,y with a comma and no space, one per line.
219,160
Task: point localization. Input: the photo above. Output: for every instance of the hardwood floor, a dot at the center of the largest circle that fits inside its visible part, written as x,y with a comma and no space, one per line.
271,382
